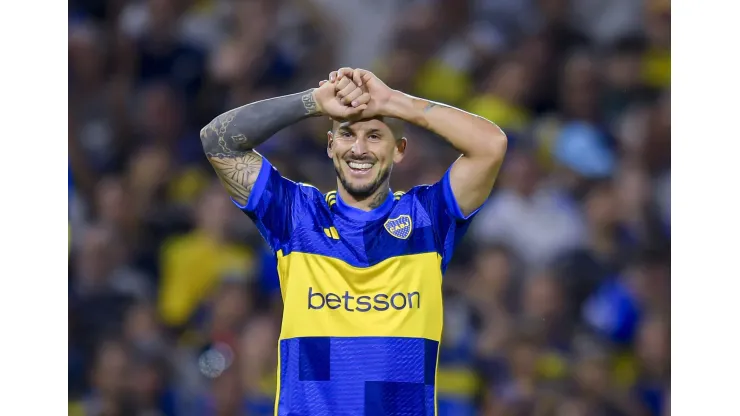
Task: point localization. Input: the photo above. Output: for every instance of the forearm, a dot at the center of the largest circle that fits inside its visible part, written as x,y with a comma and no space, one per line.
244,128
470,134
482,144
229,140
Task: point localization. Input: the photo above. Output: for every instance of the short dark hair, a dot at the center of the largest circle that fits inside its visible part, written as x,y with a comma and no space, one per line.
397,126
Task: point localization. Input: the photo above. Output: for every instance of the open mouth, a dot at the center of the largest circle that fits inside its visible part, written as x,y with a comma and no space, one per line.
359,167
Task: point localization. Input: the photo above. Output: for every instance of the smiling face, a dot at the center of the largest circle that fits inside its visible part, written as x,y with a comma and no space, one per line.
364,152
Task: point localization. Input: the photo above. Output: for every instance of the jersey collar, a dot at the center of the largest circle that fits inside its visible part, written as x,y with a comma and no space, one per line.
373,214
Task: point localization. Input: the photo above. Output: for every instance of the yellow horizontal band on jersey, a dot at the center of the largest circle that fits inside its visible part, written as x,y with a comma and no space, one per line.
327,297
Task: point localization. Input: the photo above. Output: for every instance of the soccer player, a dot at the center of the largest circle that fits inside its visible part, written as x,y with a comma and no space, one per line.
360,267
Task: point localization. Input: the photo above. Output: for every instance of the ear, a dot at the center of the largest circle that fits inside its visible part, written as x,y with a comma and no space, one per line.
329,145
400,150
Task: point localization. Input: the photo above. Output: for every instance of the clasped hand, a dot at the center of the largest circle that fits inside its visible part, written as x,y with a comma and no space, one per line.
351,94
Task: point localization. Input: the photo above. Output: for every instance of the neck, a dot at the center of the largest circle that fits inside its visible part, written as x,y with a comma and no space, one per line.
366,204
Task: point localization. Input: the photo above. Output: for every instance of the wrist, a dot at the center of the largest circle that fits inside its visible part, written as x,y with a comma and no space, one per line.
311,103
405,107
398,106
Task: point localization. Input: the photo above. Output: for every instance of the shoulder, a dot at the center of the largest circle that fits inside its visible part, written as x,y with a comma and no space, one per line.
426,195
308,197
414,202
419,191
309,191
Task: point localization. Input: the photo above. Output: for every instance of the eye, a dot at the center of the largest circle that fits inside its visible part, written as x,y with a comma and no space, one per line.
345,134
374,136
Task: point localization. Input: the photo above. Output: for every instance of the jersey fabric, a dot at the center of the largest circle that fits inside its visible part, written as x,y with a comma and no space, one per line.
362,294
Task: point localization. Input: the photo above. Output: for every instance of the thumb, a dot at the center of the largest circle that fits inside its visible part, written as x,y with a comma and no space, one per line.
357,77
353,112
322,82
362,75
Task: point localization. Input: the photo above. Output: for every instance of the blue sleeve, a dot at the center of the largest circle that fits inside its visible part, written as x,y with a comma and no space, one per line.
271,206
447,218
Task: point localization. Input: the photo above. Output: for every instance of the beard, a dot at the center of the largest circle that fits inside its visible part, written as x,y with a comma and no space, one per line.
364,191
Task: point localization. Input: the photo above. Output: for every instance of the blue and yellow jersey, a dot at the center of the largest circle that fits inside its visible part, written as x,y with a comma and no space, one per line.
362,295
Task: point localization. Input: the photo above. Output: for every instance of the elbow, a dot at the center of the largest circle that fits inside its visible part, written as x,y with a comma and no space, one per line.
494,144
208,138
208,130
204,135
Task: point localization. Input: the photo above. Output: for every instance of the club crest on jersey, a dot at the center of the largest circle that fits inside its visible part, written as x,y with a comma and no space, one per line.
399,227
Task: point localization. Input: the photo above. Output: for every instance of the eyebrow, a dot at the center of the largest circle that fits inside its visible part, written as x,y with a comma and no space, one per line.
369,131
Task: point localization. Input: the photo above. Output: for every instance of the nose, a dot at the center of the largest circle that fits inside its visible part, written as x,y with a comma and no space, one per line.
359,147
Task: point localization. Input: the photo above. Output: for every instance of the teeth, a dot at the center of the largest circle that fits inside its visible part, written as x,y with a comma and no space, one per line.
355,165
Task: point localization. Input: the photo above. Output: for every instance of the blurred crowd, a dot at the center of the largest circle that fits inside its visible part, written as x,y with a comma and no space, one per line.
558,300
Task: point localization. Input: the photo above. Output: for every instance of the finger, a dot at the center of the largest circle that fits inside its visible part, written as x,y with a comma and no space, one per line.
357,77
332,76
352,114
346,91
342,84
353,95
322,82
342,72
363,99
364,74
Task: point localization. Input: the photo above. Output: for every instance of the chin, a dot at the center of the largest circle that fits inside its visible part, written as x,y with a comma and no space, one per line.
360,188
363,185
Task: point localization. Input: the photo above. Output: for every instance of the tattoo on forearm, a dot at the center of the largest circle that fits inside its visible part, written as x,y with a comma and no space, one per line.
229,140
309,103
429,106
244,128
379,199
239,173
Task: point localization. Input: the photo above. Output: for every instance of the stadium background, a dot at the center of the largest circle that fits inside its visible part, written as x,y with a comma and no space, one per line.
558,301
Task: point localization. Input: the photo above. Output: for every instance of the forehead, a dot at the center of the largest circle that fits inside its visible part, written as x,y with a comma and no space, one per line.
363,125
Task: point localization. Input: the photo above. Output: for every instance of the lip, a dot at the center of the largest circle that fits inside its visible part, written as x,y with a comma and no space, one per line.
358,173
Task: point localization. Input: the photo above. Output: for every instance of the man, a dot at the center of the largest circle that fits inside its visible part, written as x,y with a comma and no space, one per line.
360,267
